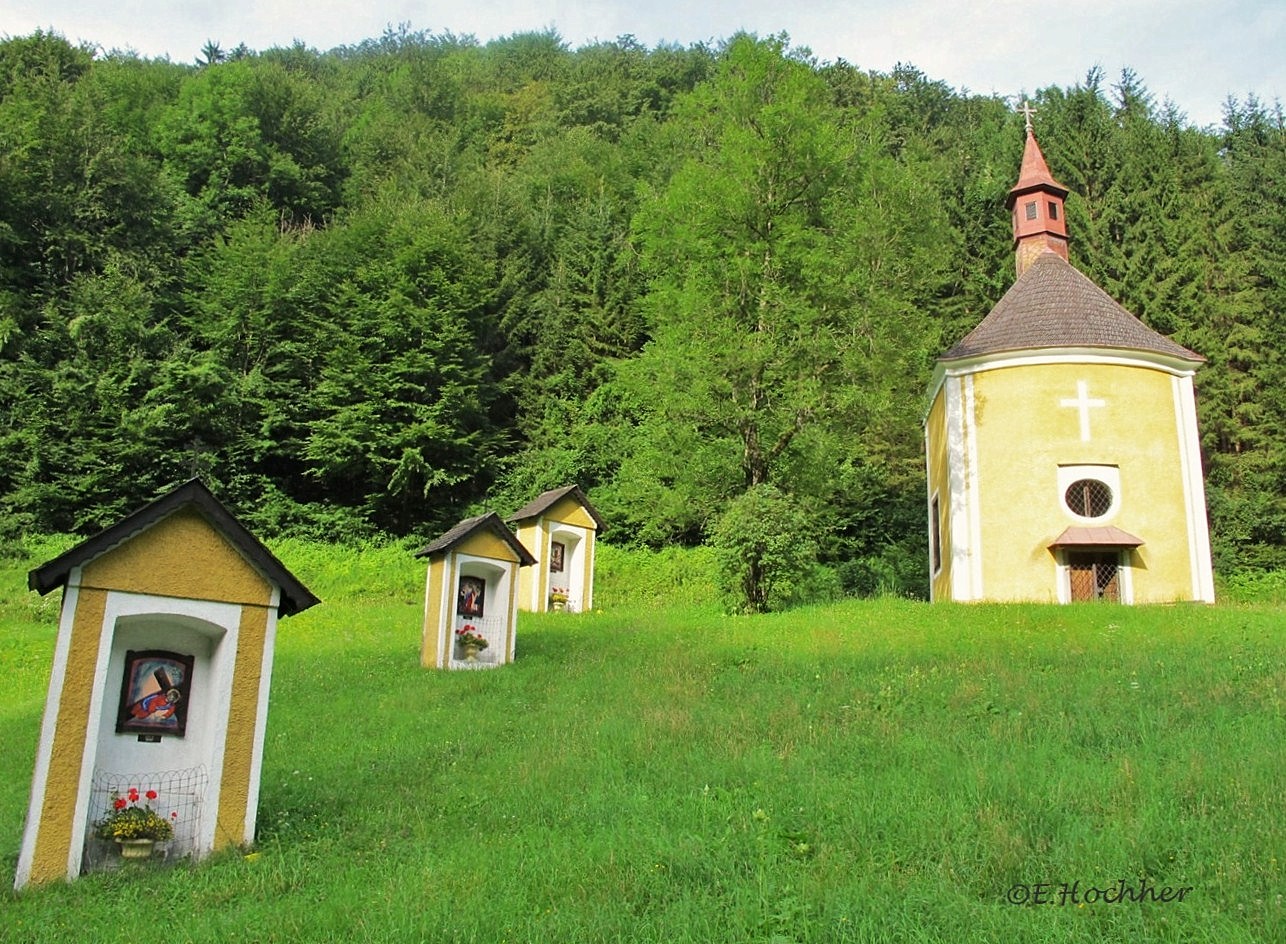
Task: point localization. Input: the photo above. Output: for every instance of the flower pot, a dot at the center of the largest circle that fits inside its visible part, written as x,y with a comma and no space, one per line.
136,848
471,653
559,605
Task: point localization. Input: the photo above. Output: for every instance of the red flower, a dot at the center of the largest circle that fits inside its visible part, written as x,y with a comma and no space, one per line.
151,794
174,814
133,794
120,803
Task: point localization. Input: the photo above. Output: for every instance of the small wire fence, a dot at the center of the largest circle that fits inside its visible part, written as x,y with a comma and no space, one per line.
180,798
492,629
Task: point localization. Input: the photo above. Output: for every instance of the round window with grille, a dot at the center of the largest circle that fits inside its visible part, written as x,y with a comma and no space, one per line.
1089,498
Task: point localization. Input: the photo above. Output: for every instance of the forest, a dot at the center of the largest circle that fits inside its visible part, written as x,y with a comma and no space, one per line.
365,292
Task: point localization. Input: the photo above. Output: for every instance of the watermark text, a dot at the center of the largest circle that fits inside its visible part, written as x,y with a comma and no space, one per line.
1083,893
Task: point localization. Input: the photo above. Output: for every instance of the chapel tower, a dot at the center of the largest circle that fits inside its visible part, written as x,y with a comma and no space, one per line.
1036,203
1062,454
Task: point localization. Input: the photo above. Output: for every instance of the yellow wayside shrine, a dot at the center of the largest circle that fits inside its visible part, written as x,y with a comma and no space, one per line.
1062,454
471,590
561,527
159,686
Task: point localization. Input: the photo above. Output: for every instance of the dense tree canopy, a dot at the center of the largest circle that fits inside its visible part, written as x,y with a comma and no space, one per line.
379,288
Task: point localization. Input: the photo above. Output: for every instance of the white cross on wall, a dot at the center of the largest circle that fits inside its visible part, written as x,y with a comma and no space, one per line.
1084,403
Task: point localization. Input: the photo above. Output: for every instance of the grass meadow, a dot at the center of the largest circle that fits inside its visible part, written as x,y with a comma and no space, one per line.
866,771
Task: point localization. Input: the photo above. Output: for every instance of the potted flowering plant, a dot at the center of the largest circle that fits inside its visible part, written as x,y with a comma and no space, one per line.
471,641
135,826
558,598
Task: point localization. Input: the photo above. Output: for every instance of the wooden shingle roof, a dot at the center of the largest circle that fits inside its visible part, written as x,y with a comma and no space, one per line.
1052,305
295,597
470,526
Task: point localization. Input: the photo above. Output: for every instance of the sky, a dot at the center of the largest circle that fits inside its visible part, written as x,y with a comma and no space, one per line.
1194,53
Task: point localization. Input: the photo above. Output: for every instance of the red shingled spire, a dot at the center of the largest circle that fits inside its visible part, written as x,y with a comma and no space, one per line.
1037,205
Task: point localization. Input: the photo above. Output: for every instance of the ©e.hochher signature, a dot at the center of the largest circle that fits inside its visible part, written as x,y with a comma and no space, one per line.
1083,893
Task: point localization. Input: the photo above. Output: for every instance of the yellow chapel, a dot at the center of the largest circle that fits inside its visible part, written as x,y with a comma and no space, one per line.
1062,456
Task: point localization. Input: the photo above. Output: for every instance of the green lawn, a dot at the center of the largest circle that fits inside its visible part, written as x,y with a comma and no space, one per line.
868,771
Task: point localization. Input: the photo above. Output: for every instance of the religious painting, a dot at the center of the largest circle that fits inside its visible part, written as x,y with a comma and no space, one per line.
154,693
471,597
556,551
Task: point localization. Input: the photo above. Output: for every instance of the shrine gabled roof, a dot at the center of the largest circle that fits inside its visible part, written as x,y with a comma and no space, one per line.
295,597
471,526
1053,305
546,500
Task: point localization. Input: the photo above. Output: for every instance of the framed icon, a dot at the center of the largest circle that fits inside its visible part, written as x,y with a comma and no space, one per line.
472,597
155,692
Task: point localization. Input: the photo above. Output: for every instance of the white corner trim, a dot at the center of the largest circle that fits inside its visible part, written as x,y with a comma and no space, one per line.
1194,491
587,595
962,476
261,716
511,633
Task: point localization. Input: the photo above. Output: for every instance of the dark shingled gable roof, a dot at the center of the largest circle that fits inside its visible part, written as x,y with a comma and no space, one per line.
1054,305
295,597
546,500
488,522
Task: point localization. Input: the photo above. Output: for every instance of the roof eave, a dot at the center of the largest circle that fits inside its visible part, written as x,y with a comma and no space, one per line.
1183,365
546,500
490,522
1048,186
295,597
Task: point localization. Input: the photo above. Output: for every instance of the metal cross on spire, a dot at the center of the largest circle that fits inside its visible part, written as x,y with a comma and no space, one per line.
1027,111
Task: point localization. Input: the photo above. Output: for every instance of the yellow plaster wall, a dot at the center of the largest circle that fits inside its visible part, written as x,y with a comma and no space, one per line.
529,536
568,510
180,556
511,619
1018,490
939,483
487,544
243,720
430,657
587,574
54,830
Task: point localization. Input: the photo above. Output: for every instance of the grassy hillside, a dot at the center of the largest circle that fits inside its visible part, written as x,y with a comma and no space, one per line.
870,771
